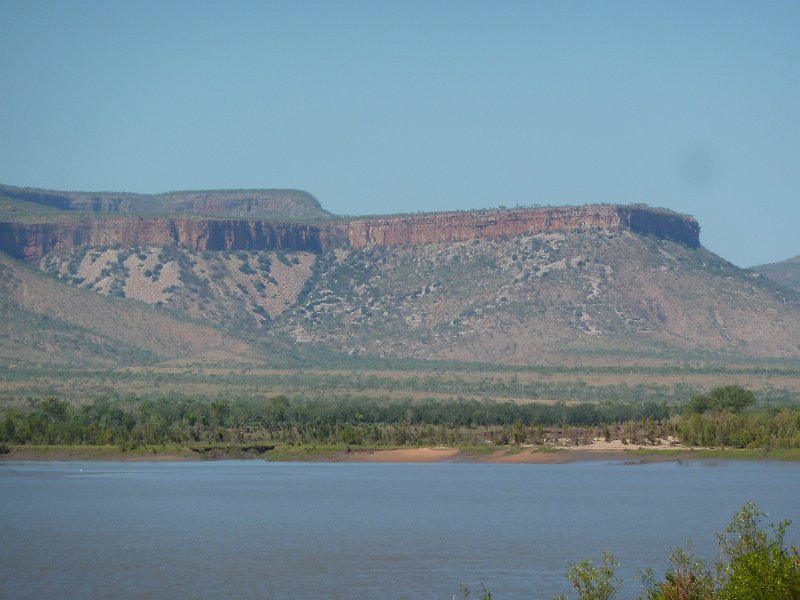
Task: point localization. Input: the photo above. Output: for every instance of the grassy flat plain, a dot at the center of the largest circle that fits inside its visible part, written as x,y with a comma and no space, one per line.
780,384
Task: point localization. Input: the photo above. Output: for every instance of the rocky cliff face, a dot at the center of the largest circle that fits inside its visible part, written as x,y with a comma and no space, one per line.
660,223
455,227
37,239
29,240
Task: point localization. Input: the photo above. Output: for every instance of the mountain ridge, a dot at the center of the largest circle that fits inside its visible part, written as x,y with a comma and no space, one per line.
34,238
271,202
545,285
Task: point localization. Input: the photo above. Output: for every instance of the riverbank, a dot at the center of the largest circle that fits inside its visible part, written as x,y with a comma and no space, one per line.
613,451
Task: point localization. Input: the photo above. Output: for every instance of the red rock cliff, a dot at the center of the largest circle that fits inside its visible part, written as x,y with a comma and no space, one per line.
452,227
24,240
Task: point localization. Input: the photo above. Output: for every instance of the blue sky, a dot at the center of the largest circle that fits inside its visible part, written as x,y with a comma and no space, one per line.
382,107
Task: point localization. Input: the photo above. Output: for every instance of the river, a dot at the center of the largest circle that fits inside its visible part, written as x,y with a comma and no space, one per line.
252,529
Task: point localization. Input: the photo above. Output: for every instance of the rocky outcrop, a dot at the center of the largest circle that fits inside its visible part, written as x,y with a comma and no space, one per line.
24,241
453,227
660,223
28,240
246,235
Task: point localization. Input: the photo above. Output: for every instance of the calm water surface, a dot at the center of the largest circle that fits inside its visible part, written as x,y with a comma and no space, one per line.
349,531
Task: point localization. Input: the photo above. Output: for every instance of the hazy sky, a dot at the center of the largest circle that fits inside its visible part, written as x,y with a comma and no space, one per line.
403,106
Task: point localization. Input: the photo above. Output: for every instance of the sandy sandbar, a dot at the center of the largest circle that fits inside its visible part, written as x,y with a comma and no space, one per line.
526,454
415,455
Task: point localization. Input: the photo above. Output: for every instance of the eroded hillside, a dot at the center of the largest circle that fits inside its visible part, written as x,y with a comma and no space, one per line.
237,290
533,299
587,295
50,323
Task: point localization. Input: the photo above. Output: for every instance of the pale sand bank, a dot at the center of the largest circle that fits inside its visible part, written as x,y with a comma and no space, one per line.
415,455
598,450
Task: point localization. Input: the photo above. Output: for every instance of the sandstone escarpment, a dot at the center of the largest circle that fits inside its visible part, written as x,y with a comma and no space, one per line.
30,240
455,227
660,223
23,240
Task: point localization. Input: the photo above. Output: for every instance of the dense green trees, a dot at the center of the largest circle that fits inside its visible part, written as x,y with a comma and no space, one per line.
722,418
729,398
283,420
727,419
771,430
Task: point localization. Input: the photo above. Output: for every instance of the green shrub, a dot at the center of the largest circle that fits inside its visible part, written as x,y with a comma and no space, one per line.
755,565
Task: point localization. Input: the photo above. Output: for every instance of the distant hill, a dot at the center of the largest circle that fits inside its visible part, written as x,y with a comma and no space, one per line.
786,272
26,204
599,284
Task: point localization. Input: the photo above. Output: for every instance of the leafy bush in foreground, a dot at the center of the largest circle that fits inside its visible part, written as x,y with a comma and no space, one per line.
755,565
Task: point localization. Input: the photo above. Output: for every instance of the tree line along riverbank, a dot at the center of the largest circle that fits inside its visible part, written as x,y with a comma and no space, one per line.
726,417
